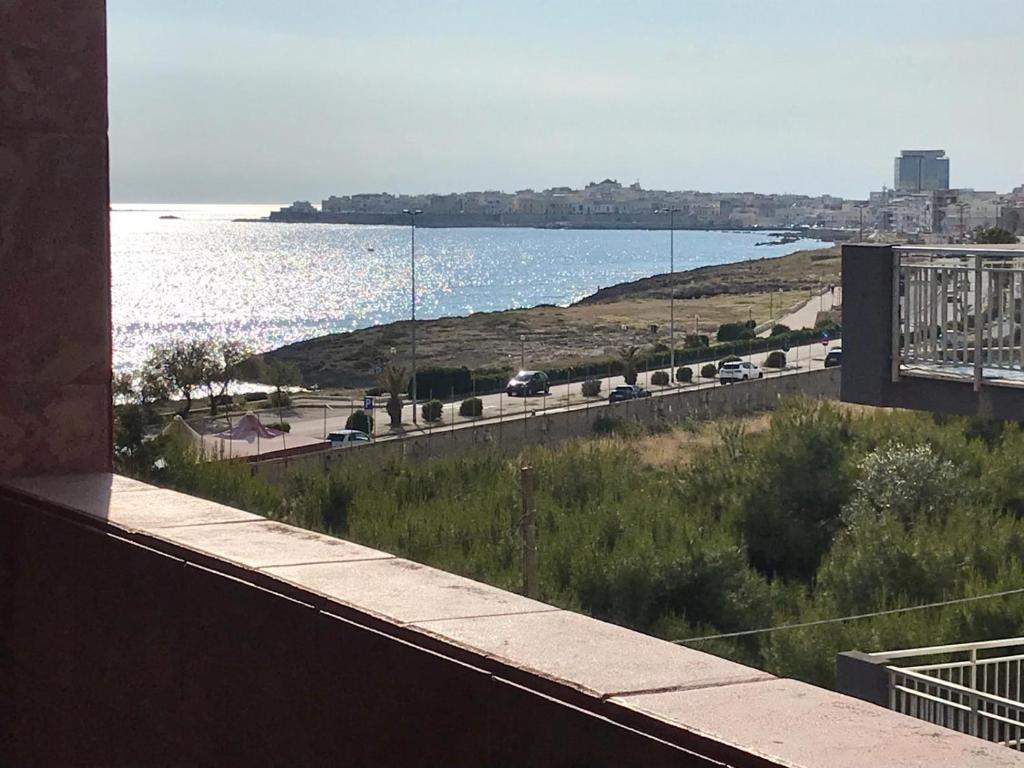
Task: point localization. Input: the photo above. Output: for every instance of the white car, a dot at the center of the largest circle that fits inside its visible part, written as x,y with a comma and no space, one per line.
348,438
739,370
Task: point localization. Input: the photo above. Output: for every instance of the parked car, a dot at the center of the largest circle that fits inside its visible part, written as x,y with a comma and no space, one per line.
627,392
834,357
527,384
739,370
348,438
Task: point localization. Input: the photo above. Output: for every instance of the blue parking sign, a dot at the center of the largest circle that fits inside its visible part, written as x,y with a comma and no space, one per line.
367,403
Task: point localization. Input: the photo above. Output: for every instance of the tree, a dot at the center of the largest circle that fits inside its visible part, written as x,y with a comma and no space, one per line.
224,364
629,362
280,375
395,380
181,366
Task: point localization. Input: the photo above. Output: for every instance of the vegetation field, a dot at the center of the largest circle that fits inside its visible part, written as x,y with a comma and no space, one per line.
814,512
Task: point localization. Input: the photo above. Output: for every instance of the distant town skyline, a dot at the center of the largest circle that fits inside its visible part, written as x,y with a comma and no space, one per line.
259,101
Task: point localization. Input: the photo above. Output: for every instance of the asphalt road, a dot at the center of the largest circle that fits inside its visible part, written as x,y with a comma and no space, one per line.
314,419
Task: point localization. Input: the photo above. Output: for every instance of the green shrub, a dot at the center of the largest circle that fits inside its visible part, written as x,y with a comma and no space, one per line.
659,378
750,323
441,381
471,407
684,374
779,328
358,420
695,340
730,331
432,410
253,397
375,391
729,359
746,333
776,359
280,399
280,426
709,371
591,387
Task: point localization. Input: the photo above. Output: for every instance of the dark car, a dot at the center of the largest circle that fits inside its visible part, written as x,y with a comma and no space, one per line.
834,357
627,392
528,383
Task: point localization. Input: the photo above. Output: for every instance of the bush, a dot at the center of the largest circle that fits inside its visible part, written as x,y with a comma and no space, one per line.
684,374
358,420
432,410
280,426
751,323
376,391
591,387
659,378
778,329
253,397
729,359
709,371
746,333
282,400
776,359
694,340
442,381
472,407
730,331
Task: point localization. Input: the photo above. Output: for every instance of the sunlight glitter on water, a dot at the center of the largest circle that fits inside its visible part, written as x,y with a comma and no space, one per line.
204,275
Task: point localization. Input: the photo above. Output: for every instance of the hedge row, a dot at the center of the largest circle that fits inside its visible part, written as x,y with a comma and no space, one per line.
442,382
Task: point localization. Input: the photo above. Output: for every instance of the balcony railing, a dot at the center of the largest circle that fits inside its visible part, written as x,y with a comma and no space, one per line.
974,688
957,314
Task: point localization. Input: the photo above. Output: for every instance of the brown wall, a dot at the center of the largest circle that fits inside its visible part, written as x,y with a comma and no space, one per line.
54,254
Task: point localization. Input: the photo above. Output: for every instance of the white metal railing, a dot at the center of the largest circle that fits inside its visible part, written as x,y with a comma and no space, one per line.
957,312
974,688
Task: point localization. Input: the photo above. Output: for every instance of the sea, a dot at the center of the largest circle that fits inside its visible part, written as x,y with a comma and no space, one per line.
194,271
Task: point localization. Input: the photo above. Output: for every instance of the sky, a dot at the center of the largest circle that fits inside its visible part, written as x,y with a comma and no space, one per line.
258,101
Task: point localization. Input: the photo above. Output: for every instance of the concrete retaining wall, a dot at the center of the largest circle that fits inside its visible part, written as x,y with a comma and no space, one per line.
512,434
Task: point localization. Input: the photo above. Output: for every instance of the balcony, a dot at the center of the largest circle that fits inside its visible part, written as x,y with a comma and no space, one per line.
935,329
973,688
957,315
139,626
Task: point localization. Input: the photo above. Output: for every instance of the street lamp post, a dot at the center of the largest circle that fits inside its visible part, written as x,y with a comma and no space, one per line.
522,352
672,290
412,214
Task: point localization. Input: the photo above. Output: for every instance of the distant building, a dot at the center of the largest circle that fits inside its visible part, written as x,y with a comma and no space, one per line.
922,170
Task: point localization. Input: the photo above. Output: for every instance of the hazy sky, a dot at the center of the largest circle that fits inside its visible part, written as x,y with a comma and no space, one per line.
253,101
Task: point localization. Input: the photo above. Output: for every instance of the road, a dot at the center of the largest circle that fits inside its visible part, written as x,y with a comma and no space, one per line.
314,420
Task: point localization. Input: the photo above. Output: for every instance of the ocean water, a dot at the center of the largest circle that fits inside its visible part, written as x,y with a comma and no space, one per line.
204,275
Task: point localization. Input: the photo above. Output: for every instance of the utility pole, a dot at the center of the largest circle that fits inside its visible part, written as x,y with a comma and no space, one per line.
672,211
531,585
412,214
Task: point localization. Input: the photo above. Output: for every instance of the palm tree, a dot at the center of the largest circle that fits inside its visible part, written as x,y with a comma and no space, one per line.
629,362
394,381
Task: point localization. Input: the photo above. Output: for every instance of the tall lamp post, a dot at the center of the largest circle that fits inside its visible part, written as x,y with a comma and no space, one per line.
412,214
522,352
860,230
672,290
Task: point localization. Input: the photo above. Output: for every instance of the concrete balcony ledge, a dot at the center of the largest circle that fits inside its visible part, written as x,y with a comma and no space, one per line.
624,693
